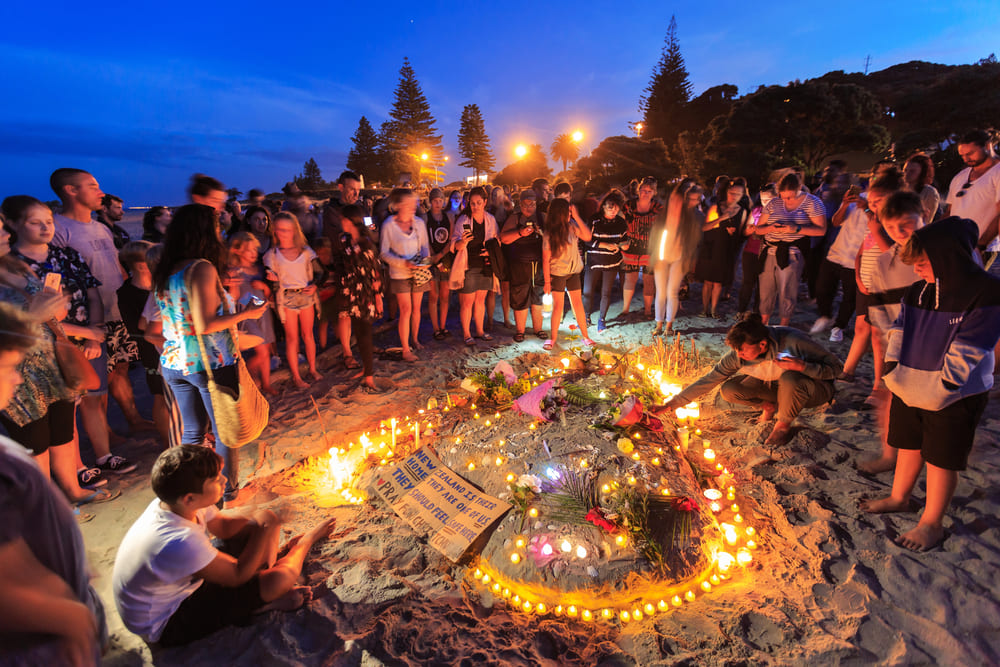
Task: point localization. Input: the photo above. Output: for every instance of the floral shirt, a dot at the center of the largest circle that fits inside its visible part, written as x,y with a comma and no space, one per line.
41,380
76,279
181,351
362,279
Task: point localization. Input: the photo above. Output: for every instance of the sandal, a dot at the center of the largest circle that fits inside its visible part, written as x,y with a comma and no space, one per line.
350,363
588,342
98,496
547,345
541,334
439,334
470,341
487,336
82,517
519,337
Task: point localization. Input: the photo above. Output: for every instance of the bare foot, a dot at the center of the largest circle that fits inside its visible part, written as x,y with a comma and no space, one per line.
141,425
290,601
873,466
300,383
315,375
885,505
409,356
269,390
921,538
767,412
416,346
322,529
780,435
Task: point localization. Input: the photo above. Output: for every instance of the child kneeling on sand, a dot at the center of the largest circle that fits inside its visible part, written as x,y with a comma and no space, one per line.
172,586
940,362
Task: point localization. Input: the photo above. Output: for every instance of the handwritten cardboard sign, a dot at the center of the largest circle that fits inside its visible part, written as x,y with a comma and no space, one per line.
438,502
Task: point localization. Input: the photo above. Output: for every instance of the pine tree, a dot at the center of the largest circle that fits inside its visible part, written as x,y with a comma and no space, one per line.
311,178
664,100
564,149
473,142
410,132
364,157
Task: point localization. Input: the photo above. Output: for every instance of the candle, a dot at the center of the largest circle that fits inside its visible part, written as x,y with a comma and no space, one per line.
685,436
392,424
416,442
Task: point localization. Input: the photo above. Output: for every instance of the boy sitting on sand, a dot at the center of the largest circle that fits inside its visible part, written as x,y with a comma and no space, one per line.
172,586
940,358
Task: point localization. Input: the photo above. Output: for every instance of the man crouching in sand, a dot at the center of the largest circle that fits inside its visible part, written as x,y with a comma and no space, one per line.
172,586
778,369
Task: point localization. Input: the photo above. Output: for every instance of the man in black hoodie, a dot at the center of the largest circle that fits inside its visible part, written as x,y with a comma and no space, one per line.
939,363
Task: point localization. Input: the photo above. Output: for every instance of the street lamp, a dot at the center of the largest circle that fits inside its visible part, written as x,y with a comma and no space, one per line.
521,150
424,157
577,136
638,129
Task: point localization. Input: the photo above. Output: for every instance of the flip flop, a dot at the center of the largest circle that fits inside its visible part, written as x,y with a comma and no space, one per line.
547,345
98,496
487,336
470,341
82,517
439,334
519,337
588,342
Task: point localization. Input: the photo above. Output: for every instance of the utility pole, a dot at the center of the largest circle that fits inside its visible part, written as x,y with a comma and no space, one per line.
868,61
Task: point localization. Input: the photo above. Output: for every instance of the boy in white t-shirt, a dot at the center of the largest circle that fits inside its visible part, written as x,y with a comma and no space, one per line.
172,586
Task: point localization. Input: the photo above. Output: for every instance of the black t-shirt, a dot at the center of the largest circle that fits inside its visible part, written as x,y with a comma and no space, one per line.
438,232
526,248
131,301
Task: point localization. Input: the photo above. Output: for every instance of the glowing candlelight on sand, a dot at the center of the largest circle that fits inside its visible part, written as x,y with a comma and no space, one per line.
709,454
713,494
392,425
416,438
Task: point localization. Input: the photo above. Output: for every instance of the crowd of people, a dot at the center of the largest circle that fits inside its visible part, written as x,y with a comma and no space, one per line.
216,280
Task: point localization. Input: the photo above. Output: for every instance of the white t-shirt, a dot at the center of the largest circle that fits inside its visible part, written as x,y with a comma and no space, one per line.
155,565
979,203
96,245
853,230
292,273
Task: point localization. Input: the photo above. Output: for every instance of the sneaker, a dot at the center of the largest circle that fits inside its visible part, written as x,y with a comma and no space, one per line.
275,363
822,324
117,464
601,326
90,478
836,335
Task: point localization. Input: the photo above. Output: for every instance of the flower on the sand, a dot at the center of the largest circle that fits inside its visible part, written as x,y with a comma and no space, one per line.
625,445
530,481
686,504
596,517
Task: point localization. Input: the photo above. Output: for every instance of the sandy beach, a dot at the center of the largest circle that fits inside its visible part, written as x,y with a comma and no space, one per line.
827,584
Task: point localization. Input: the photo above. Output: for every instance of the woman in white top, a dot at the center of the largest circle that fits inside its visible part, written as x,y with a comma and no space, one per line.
787,219
290,264
404,248
918,174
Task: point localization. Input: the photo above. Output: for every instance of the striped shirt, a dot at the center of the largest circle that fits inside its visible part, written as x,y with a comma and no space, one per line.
606,231
801,215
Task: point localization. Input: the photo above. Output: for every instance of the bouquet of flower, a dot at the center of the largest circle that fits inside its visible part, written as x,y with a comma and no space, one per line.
546,401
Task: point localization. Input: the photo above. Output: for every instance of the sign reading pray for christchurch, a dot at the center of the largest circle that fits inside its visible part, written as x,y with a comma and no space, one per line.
438,502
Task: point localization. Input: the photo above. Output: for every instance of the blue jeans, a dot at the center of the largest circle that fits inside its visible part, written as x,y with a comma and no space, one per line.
195,406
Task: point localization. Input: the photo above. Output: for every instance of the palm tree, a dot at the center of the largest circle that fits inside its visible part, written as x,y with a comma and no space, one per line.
564,149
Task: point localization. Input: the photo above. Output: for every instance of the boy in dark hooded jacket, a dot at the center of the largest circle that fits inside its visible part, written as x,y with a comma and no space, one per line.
940,362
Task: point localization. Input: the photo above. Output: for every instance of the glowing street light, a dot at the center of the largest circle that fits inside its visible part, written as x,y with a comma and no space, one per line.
521,150
638,129
577,136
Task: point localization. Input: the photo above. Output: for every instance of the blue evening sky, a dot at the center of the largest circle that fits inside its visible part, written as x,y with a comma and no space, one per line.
144,94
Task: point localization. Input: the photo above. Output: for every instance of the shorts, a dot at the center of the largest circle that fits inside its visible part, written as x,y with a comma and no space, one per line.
526,284
570,282
212,607
944,437
296,299
121,347
476,280
861,304
408,286
52,430
154,381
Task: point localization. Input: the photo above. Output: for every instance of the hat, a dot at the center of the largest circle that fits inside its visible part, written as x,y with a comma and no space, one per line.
529,194
436,193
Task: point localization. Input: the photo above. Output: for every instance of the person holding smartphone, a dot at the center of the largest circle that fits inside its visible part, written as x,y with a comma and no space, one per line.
780,370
